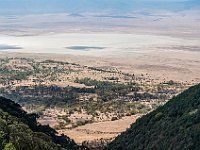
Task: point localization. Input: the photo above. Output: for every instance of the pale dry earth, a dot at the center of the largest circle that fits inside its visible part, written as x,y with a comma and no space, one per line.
101,130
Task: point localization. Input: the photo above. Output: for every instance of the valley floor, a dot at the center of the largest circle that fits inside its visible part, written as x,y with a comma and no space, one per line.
92,93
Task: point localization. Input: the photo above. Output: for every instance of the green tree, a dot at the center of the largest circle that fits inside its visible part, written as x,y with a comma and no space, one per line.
9,146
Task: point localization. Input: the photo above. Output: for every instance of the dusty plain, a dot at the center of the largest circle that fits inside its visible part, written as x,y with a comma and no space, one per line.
156,52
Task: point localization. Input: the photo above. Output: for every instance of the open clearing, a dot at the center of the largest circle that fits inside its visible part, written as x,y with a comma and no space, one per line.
101,130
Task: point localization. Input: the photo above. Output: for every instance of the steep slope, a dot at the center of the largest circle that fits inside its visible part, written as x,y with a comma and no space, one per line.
20,131
174,126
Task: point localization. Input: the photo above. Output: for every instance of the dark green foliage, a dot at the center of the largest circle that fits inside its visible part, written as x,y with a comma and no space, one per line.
20,131
108,90
174,126
103,84
51,95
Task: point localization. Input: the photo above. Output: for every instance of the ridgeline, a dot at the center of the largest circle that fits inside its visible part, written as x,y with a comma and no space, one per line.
20,131
174,126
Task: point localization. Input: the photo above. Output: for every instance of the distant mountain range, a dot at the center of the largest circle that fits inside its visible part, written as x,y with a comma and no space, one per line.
22,7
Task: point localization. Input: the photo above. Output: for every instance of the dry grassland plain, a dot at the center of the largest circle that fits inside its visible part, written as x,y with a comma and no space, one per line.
164,49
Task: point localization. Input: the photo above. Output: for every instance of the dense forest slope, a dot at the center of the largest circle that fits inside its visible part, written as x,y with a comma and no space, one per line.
20,131
174,126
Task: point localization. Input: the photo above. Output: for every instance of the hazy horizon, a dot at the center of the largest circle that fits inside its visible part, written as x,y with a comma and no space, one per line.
23,7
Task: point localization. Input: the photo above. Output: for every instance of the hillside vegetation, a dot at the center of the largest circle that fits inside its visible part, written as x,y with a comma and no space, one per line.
174,126
20,131
67,95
